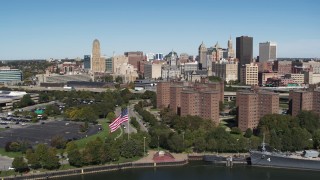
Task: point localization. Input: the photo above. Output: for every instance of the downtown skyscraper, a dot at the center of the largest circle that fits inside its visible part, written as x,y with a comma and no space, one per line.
97,62
244,51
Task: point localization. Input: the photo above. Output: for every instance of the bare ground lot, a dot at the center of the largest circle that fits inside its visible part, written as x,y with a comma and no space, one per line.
42,133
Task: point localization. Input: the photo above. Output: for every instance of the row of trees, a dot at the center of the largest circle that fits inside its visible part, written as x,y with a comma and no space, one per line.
105,102
110,150
42,156
192,133
287,133
95,152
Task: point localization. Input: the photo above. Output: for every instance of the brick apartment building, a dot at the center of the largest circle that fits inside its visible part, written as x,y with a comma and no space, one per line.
252,106
304,100
197,99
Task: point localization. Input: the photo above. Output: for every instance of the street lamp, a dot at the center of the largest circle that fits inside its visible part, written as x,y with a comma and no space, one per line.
238,147
144,146
183,138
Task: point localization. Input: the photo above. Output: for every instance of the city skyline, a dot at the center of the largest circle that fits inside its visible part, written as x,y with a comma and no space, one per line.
58,29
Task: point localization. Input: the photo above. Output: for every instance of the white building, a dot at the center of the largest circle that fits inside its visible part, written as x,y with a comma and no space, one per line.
226,70
249,74
267,51
150,57
117,61
311,78
190,66
170,73
297,78
152,71
126,71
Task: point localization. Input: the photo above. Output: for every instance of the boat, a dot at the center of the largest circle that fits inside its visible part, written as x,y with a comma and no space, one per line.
305,160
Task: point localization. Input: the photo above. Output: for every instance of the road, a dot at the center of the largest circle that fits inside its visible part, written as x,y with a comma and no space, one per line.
39,88
132,113
5,162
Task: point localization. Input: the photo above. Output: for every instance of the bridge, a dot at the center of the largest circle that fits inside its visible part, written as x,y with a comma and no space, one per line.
230,96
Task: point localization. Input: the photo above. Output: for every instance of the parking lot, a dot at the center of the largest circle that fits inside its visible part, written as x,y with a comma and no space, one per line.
43,132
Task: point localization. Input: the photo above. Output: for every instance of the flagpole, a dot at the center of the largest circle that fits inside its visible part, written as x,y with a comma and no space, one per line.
128,122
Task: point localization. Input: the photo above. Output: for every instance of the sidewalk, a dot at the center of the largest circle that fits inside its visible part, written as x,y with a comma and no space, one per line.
151,153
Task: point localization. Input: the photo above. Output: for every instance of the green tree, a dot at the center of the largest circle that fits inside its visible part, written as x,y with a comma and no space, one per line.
52,110
316,139
15,146
309,120
43,97
131,148
135,123
111,116
108,78
25,101
175,143
119,79
58,142
74,155
248,133
19,164
236,130
112,148
51,161
33,159
90,153
200,144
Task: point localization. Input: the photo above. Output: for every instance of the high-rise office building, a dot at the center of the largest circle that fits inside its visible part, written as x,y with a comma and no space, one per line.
267,51
86,62
97,63
203,55
158,56
244,51
230,49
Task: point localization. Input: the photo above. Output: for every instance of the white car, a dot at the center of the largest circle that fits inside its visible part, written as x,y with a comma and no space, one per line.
10,168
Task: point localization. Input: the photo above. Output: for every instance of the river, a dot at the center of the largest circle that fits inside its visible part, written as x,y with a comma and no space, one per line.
199,171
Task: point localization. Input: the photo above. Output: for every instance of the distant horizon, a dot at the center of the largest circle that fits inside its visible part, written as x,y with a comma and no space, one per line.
59,29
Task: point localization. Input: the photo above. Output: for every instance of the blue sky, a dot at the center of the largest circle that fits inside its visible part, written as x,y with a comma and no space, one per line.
33,29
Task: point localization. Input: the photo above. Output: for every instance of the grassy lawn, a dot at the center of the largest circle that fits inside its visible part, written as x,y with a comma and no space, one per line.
2,129
66,166
8,173
102,134
10,154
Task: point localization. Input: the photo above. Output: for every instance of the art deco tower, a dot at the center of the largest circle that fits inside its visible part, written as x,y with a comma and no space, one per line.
97,62
203,55
230,49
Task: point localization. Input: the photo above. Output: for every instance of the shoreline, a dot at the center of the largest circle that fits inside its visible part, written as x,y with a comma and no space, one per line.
181,159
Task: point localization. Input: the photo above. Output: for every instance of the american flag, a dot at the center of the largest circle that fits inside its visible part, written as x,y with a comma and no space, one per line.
123,117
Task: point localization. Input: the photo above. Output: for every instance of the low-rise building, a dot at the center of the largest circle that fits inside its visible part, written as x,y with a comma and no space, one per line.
10,75
8,98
